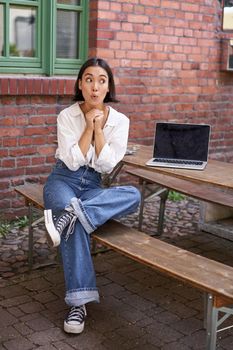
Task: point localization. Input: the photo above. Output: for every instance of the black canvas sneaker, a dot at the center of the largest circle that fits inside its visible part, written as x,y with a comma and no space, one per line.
75,320
55,224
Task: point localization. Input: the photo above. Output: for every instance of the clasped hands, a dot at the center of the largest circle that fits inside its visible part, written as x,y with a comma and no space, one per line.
95,119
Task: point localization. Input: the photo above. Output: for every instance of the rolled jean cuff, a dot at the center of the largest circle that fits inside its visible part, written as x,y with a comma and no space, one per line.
82,215
81,296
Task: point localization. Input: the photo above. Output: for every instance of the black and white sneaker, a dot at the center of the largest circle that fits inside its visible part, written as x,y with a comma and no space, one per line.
55,224
75,320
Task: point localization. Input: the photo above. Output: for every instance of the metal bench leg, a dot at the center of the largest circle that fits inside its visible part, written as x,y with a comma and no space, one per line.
212,318
140,217
163,198
30,236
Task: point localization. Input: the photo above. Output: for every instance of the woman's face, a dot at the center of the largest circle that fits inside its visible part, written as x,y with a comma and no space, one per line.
94,85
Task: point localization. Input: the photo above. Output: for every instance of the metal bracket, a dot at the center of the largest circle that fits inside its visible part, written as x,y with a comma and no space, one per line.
213,321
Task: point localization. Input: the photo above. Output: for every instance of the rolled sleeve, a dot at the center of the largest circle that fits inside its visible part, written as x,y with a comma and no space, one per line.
77,158
105,162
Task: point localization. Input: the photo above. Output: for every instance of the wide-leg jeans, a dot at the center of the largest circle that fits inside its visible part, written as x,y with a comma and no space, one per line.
93,206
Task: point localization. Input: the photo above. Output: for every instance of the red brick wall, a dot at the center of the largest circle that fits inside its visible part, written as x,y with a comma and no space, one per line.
28,111
166,59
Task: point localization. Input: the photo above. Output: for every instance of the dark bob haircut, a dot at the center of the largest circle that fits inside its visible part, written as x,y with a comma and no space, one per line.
93,62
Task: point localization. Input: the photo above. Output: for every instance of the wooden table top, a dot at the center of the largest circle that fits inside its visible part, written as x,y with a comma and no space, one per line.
216,173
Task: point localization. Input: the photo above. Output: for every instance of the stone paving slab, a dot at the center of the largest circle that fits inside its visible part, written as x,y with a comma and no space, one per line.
139,309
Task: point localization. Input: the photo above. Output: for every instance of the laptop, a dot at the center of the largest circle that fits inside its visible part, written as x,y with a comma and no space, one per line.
180,146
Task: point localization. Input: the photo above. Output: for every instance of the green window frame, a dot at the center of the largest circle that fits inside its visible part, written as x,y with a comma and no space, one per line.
45,60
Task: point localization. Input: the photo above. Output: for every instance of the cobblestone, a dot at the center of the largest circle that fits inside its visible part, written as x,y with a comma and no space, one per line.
140,309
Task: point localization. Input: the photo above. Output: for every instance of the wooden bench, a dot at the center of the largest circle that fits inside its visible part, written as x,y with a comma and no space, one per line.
213,278
209,276
166,182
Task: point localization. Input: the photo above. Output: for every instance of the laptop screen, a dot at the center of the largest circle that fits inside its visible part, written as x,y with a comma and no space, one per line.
181,141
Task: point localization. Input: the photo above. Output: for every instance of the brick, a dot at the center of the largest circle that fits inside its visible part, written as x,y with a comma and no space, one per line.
46,87
6,319
36,120
31,131
54,85
29,86
7,333
46,337
21,86
137,18
8,163
69,86
23,162
38,86
22,100
111,16
4,86
39,324
8,100
22,120
41,169
61,86
13,86
190,7
10,132
22,328
7,121
31,307
18,343
103,43
22,151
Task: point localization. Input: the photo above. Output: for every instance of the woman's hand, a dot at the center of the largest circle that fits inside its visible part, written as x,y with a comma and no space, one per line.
94,122
94,119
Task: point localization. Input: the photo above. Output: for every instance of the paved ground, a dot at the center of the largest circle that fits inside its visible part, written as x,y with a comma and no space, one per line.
139,309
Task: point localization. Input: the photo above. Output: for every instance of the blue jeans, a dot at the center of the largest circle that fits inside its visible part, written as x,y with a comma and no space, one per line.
93,206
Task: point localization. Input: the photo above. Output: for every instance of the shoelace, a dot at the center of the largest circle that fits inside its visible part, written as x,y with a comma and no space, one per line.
70,229
65,219
77,314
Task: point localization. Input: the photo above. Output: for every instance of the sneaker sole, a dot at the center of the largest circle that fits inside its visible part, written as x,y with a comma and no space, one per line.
53,236
71,328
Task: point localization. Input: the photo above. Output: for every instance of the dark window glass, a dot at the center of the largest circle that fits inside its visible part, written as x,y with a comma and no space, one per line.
67,34
1,31
69,2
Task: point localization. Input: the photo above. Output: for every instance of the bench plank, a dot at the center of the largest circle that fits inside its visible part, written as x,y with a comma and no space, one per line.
33,193
187,187
208,275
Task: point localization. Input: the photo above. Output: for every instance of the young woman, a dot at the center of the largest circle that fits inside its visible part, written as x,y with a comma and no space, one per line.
92,139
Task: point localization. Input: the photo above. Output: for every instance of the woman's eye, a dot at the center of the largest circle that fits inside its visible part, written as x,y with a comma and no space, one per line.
88,80
102,81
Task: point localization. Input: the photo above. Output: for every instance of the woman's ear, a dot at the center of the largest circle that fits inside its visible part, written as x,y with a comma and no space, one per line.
80,84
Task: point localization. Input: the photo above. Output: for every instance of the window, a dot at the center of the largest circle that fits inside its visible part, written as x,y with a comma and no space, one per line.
227,15
43,37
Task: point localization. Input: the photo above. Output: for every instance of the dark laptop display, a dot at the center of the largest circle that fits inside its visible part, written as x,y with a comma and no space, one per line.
181,145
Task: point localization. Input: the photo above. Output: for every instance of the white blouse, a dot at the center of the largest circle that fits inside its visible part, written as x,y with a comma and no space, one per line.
70,126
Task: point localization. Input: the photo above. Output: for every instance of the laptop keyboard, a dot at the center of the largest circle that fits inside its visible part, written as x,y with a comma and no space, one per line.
177,161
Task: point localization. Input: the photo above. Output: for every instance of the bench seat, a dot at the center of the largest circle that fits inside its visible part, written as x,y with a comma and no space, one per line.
207,275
